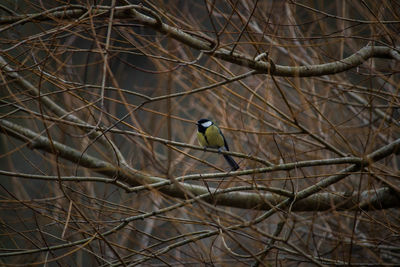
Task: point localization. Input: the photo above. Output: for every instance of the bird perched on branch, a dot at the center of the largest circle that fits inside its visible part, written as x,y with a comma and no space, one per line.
209,135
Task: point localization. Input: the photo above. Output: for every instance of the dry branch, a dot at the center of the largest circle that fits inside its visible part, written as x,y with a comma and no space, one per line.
206,44
385,198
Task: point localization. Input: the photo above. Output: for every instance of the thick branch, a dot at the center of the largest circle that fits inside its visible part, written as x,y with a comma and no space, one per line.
207,46
383,198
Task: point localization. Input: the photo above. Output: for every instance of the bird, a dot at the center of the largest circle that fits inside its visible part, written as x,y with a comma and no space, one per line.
209,135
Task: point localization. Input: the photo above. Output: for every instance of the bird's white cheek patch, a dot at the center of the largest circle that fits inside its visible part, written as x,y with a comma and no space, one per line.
206,124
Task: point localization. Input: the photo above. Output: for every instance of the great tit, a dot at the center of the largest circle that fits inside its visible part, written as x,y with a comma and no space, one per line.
209,135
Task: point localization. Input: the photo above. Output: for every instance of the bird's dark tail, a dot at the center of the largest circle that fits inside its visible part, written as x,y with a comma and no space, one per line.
231,162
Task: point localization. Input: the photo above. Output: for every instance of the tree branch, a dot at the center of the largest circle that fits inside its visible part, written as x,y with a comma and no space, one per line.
247,200
206,45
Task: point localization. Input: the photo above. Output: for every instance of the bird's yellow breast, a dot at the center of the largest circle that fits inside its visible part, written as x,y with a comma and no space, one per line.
211,138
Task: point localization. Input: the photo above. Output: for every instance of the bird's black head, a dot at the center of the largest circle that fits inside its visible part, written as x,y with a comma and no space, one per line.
203,124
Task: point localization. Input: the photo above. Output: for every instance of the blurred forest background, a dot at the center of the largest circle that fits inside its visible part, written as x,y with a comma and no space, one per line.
99,163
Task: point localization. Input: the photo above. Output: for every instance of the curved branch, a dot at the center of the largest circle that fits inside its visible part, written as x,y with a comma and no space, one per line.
308,199
204,44
58,110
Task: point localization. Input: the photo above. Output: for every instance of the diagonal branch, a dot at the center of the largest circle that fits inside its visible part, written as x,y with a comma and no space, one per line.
58,110
306,200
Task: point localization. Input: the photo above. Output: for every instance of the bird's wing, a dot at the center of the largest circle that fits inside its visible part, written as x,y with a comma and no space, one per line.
225,143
